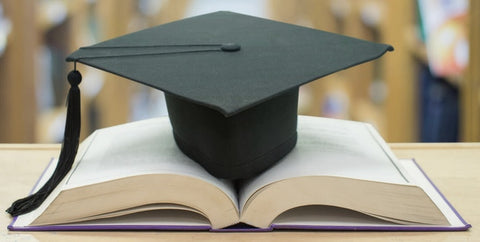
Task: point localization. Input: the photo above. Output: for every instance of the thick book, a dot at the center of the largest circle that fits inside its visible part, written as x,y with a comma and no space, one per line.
340,176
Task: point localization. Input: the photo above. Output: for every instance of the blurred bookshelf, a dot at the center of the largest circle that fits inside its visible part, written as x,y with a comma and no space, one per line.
386,92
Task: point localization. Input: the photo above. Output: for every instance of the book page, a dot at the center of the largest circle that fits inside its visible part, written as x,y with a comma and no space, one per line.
329,147
322,215
326,216
161,219
423,181
143,147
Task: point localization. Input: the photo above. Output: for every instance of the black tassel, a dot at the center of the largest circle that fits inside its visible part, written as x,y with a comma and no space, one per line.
67,153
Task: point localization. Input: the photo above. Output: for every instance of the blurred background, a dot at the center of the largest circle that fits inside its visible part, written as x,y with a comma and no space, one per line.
427,90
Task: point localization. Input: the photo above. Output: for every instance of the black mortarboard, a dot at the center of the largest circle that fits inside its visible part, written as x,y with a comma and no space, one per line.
230,80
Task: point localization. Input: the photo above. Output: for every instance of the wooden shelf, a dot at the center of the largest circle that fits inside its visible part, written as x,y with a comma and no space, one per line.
470,88
17,74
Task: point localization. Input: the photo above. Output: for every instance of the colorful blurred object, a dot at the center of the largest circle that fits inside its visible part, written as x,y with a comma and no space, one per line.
5,27
444,26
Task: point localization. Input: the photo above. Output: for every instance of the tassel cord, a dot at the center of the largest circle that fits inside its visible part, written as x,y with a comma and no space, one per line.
67,153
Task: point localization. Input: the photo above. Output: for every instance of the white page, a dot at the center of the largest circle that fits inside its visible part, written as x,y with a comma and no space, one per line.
143,147
329,147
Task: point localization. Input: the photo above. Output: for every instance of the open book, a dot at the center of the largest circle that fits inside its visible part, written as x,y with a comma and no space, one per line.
341,175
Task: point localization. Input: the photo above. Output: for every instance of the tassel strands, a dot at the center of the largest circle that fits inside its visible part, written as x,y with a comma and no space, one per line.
67,153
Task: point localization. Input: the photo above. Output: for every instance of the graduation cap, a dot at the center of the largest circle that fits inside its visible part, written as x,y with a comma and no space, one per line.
230,81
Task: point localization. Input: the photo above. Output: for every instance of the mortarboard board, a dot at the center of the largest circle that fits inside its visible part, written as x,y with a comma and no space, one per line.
230,81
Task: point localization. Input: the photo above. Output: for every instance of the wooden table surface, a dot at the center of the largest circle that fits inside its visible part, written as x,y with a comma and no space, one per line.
453,167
